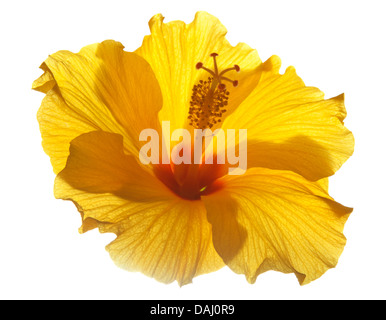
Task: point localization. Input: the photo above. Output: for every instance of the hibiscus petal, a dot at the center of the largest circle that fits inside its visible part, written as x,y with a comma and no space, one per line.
58,126
106,88
171,241
45,82
97,164
158,233
276,220
173,49
291,127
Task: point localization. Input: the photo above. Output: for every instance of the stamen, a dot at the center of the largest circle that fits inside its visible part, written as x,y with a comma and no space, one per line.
210,98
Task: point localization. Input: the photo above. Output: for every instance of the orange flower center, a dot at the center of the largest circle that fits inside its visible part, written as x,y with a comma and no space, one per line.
191,181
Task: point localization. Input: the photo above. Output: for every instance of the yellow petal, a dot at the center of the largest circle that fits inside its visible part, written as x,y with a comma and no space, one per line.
276,220
104,87
97,164
166,238
171,240
158,233
58,126
45,82
291,126
173,49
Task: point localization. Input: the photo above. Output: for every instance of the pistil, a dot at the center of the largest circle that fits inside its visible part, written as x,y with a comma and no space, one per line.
210,98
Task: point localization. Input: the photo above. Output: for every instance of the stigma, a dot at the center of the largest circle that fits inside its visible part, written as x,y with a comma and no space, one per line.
209,98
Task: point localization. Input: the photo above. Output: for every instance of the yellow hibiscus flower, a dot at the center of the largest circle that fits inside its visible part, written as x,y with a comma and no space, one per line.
177,221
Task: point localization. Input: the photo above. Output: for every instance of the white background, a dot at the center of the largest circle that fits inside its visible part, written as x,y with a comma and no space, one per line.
338,46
